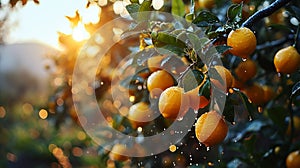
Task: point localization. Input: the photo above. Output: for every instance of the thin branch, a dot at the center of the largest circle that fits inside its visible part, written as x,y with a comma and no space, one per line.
275,42
264,12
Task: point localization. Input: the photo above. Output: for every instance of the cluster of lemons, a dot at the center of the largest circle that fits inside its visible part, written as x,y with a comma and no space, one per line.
211,127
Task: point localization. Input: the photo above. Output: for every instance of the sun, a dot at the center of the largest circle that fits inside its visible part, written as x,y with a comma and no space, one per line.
79,33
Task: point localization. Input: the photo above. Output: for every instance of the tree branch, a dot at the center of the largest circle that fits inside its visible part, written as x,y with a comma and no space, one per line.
264,12
275,43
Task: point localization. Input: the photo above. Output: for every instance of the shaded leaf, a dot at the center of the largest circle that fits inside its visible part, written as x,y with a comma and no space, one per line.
205,90
228,111
205,19
234,13
133,8
222,48
163,38
250,108
192,79
178,7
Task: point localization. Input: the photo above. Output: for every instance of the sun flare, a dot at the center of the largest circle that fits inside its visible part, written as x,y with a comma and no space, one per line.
80,33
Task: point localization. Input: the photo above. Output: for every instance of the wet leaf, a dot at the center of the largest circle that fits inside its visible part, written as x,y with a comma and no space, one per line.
234,13
205,19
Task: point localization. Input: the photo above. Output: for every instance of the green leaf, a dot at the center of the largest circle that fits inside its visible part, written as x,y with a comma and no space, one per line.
133,8
234,13
250,108
163,38
205,90
205,19
143,14
192,79
222,48
228,111
178,7
277,115
145,6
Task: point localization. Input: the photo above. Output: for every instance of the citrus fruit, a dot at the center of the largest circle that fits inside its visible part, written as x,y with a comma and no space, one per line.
197,101
207,4
296,123
211,129
140,114
287,60
226,76
173,103
255,93
268,93
293,159
246,70
117,152
159,81
154,63
242,41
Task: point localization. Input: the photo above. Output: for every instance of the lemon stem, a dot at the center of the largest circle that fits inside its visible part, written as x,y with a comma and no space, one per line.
264,12
291,115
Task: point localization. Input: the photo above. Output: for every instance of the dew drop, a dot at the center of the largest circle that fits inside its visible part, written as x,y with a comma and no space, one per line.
244,59
207,148
180,118
288,75
278,74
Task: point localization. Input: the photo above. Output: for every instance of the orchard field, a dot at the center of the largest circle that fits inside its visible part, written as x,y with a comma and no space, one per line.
199,83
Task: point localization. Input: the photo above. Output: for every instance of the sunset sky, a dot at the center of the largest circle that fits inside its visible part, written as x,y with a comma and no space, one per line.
40,23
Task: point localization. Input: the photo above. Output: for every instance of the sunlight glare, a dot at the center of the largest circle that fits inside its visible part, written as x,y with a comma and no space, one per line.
102,2
118,7
157,4
90,14
80,33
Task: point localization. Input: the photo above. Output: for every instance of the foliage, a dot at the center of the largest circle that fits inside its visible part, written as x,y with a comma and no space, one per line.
258,135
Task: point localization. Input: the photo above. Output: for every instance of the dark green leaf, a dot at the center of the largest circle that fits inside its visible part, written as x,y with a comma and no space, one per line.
234,13
178,7
205,90
192,79
205,19
222,48
250,108
163,38
277,115
133,8
228,111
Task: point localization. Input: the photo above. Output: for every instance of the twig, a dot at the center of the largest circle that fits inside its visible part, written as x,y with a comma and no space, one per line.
264,12
275,42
